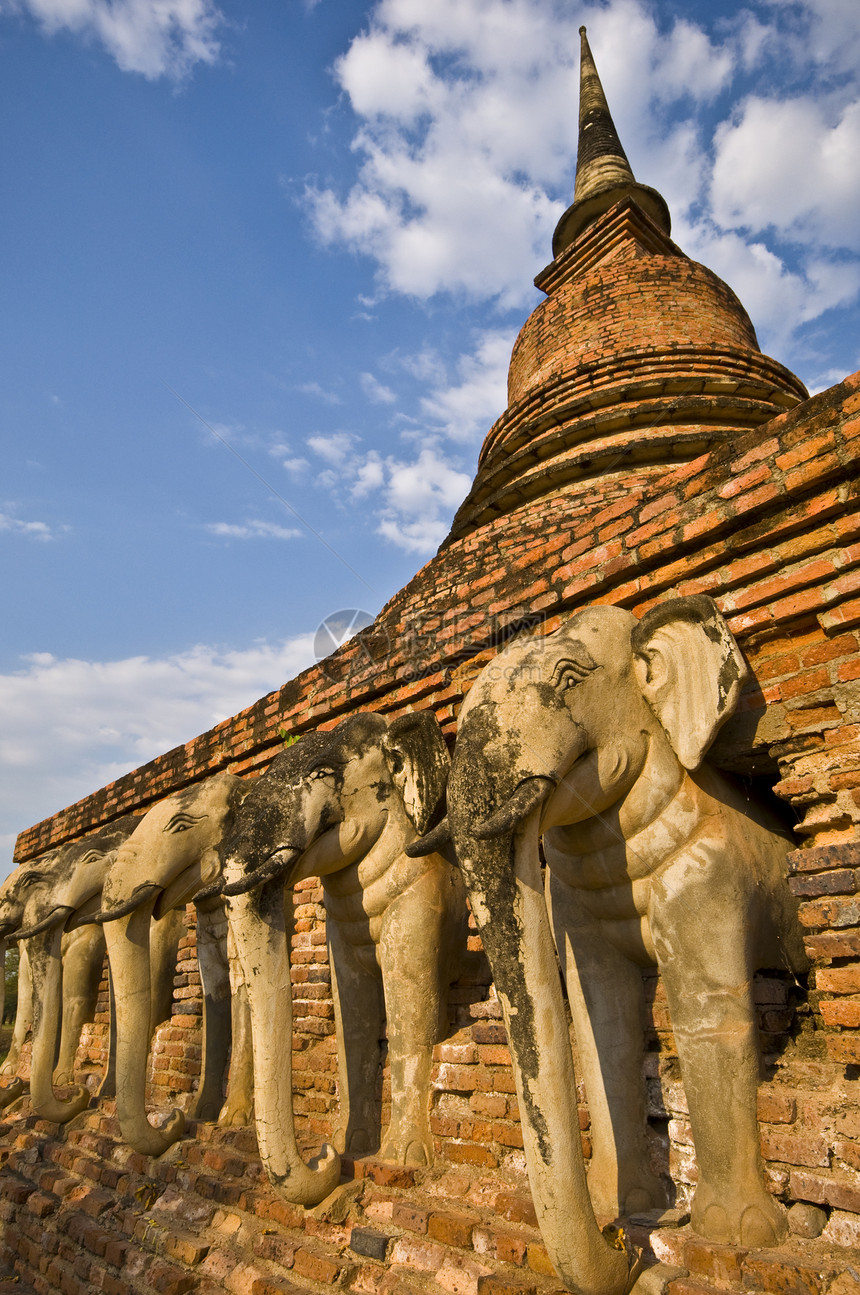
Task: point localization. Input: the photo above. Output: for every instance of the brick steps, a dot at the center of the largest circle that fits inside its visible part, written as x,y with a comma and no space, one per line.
82,1212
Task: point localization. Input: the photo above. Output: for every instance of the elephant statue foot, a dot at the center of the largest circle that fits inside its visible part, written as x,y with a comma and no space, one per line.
407,1144
237,1111
355,1139
10,1093
643,1194
756,1220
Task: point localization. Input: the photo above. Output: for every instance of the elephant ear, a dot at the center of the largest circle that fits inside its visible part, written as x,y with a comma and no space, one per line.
690,671
419,762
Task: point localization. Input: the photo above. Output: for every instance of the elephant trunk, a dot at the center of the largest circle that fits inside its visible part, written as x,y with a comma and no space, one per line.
504,884
45,954
259,927
129,957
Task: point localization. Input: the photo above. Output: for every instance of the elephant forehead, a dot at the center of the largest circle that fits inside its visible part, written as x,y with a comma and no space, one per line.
602,631
201,810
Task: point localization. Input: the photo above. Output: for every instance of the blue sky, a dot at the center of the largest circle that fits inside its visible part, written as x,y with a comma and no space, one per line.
277,254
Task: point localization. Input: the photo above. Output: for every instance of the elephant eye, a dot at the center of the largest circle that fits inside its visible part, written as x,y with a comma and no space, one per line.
572,670
323,772
181,822
90,856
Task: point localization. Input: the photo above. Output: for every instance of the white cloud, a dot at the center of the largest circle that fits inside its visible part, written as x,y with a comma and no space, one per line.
336,448
376,391
790,164
153,37
253,530
314,389
419,499
369,475
33,530
466,409
71,726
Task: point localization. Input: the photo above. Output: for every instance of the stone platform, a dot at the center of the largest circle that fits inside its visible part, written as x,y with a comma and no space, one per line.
80,1212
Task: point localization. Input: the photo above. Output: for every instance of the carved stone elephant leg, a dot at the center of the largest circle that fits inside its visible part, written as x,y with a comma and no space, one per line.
23,1014
83,953
238,1106
358,1011
128,941
164,946
412,940
709,988
226,1023
259,923
215,981
46,965
606,998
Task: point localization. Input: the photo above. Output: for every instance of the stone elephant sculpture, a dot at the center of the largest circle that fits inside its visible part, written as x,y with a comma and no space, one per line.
592,738
47,906
342,805
169,860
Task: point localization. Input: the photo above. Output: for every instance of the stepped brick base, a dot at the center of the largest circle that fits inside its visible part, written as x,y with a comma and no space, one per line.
81,1212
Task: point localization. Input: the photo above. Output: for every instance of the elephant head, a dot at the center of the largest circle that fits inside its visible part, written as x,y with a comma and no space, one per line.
591,737
168,860
340,805
43,903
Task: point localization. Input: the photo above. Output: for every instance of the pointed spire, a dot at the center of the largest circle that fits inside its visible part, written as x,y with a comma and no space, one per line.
603,174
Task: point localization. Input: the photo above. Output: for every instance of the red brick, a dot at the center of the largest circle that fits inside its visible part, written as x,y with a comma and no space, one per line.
834,912
316,1267
838,980
841,881
821,1190
718,1264
451,1229
494,1284
539,1261
844,1048
795,1148
776,1108
840,1011
469,1154
412,1217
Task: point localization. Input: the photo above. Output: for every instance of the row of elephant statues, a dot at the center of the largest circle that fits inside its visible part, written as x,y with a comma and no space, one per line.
582,749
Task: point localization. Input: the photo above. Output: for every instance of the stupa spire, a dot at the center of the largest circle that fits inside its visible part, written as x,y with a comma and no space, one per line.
603,173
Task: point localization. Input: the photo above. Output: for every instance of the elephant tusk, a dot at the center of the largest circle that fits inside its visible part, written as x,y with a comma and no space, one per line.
139,896
53,919
275,866
209,892
528,795
91,920
432,842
